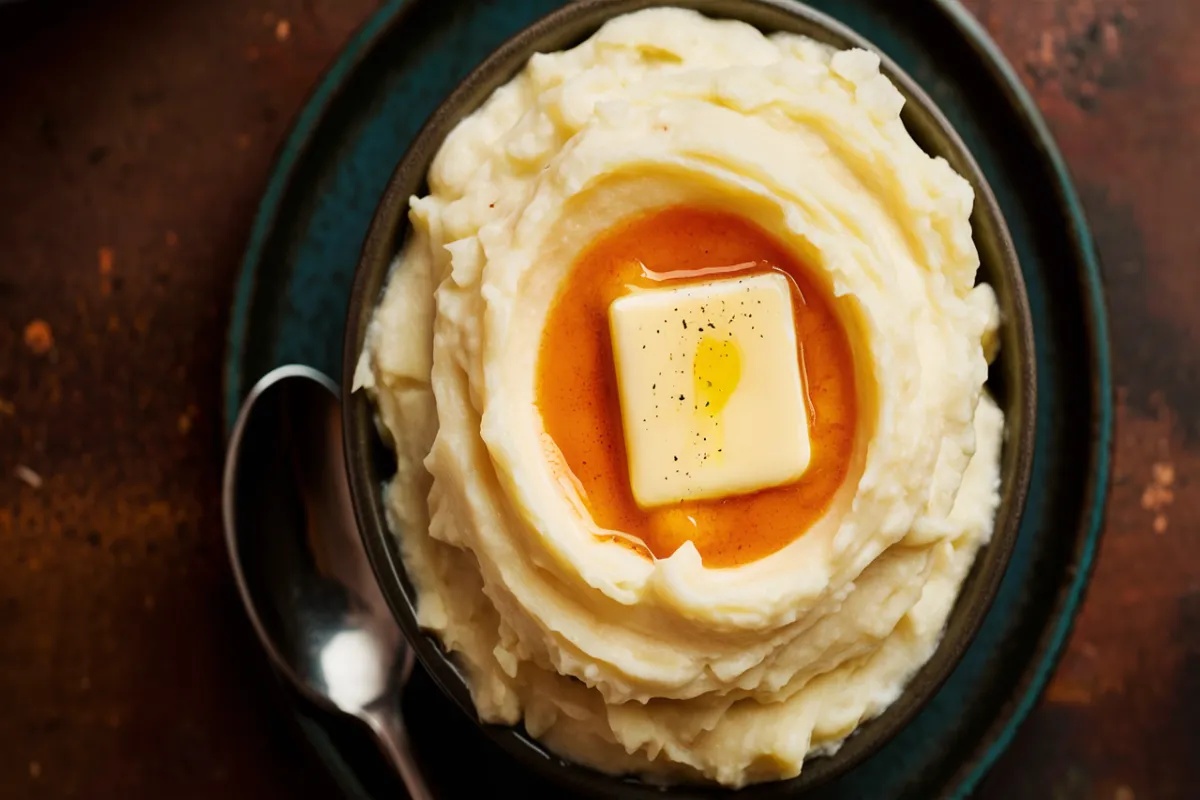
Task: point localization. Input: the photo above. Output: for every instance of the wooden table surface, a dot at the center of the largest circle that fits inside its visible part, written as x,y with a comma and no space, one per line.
135,138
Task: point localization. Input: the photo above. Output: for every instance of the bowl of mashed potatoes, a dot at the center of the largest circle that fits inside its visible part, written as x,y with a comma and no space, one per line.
689,397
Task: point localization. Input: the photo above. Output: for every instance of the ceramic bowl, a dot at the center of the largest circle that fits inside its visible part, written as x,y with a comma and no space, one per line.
1012,380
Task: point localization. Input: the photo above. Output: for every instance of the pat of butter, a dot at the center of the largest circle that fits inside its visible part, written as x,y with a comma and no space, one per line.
712,402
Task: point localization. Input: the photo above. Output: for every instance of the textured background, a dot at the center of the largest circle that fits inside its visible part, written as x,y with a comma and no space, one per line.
135,139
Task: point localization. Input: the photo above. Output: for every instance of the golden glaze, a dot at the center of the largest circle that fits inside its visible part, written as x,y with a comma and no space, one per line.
577,385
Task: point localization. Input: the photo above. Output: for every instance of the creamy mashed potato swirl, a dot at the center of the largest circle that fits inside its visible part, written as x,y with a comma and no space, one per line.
664,667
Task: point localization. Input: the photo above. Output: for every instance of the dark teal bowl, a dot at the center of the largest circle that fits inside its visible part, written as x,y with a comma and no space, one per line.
1012,382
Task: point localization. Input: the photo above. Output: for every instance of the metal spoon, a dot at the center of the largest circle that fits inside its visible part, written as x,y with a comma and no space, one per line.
300,564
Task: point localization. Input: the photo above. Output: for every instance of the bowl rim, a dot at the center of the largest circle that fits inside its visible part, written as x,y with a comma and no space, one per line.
389,226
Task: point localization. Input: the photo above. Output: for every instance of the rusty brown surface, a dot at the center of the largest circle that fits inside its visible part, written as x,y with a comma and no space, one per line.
135,137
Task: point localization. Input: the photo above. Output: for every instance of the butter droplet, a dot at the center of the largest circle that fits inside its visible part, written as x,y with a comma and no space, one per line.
716,372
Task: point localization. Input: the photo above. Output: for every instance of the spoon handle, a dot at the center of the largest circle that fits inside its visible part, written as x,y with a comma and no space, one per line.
385,720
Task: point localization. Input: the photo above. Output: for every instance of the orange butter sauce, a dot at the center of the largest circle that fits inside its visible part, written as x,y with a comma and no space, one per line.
580,407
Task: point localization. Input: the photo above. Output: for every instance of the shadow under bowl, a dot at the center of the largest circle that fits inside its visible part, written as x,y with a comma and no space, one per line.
1011,381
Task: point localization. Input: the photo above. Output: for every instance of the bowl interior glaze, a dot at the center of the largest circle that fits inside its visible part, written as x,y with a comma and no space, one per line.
1011,380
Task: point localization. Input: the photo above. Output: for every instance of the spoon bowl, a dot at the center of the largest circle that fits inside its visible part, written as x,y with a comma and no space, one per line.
299,561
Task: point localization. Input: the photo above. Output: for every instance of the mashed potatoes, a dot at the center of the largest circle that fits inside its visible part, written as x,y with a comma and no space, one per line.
665,667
